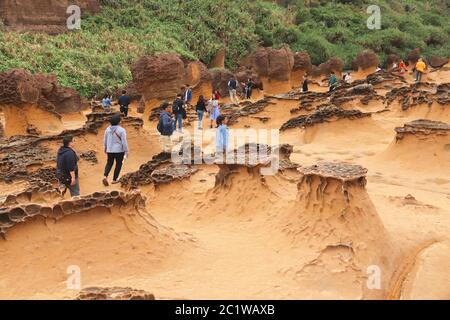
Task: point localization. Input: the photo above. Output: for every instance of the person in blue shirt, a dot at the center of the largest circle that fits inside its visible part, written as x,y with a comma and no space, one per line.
106,103
222,135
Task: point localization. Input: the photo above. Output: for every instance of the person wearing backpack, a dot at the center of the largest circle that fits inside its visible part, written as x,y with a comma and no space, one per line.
67,168
179,112
232,87
166,126
124,103
116,148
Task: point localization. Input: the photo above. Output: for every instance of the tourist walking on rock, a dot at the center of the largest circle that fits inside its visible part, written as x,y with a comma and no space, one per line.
106,103
332,82
116,148
420,70
200,108
232,88
249,89
179,112
124,103
402,67
166,127
305,84
67,168
188,95
214,111
222,135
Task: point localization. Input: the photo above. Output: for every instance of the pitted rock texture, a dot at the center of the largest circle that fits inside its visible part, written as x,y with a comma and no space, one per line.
18,87
423,128
42,16
14,215
114,293
90,156
144,175
335,170
324,113
416,94
324,69
244,109
171,173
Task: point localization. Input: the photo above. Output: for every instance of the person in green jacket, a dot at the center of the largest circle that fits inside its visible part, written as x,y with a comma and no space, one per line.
332,83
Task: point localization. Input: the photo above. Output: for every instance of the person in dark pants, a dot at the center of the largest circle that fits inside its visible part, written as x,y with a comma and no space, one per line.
67,168
305,84
124,102
249,89
179,112
116,148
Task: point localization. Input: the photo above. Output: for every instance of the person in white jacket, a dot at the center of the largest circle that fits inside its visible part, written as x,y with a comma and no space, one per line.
116,148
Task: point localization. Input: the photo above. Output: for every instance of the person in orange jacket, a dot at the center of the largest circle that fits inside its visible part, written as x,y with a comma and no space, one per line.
420,69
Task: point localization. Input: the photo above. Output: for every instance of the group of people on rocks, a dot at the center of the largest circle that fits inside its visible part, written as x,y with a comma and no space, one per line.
123,101
419,69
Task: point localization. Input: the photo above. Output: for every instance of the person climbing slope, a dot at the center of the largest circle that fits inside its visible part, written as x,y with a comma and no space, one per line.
116,148
232,87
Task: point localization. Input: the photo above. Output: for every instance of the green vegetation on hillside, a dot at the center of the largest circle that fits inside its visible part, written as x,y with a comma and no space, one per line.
98,57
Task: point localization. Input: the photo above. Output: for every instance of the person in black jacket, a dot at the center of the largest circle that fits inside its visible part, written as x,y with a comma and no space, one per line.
166,126
124,102
67,167
305,84
200,108
179,112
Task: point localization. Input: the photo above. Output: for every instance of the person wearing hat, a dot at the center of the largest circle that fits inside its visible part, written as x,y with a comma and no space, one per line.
116,148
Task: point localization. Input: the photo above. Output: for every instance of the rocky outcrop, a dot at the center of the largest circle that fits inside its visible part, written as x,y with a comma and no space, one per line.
324,69
413,95
438,62
114,293
324,113
11,216
19,87
157,171
159,76
220,78
163,76
365,60
244,109
34,103
422,128
274,64
302,62
42,16
219,59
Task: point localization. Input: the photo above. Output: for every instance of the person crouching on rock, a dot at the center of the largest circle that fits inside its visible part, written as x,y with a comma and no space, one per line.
67,168
166,127
116,148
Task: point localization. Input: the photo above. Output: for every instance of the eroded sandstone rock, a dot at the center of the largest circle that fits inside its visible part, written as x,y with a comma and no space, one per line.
114,293
323,114
423,127
11,216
